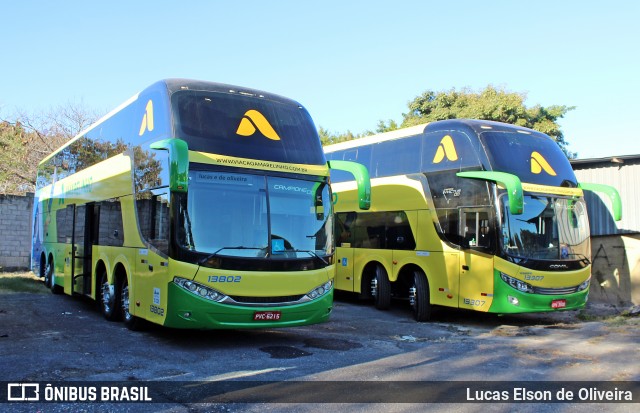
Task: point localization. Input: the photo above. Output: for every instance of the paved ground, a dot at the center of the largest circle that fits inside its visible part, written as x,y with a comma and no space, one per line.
59,339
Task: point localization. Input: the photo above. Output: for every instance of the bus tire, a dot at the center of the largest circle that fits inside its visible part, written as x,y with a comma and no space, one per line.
108,298
55,288
132,322
44,272
381,289
419,297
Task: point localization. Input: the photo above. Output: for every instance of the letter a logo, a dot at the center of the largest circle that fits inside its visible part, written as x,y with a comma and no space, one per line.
147,119
446,148
254,120
538,164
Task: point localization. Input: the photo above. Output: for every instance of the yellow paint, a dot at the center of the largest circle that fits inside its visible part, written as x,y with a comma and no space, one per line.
538,164
253,119
446,148
147,119
214,159
555,190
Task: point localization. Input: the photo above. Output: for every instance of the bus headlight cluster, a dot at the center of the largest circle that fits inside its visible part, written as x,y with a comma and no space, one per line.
584,285
198,289
517,284
320,290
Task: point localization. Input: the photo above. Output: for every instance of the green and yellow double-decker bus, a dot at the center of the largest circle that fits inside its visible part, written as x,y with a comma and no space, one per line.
467,214
193,205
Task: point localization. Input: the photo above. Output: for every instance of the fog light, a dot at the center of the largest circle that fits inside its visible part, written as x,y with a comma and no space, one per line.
513,300
187,314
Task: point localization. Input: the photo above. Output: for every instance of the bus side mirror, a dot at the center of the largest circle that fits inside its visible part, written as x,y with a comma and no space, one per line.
178,162
510,182
361,174
610,192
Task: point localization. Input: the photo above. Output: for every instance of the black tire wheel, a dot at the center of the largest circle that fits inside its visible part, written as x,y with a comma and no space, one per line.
51,275
107,299
381,289
44,272
132,322
419,297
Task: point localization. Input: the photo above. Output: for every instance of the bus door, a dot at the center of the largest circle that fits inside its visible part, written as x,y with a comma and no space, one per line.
85,232
149,289
476,261
344,252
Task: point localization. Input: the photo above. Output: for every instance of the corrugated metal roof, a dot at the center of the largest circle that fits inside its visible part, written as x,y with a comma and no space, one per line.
621,172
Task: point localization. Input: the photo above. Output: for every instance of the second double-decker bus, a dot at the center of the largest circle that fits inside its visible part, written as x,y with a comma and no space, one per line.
193,205
468,214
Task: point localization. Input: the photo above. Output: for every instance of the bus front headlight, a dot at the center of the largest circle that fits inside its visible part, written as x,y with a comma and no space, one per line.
320,290
198,289
584,285
517,284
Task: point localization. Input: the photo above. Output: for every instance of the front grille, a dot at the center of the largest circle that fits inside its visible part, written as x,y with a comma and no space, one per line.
266,300
554,291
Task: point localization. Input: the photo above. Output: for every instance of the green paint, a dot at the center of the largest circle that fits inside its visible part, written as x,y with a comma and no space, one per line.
509,181
178,162
361,175
530,303
610,192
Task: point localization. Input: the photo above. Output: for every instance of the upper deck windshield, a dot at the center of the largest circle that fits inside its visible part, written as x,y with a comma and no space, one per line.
531,156
550,228
256,216
246,126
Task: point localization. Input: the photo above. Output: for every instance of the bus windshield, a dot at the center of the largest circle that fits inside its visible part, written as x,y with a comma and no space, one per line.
255,216
550,228
246,127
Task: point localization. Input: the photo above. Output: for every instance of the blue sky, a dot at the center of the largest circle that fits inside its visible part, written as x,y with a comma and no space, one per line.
351,63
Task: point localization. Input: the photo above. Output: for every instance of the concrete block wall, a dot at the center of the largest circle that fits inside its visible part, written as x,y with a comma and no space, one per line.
15,231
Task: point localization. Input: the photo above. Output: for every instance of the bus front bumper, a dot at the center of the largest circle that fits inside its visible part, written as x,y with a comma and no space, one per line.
509,300
185,310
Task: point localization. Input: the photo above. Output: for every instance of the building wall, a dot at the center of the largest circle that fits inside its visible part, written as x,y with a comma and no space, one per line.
15,231
615,271
625,177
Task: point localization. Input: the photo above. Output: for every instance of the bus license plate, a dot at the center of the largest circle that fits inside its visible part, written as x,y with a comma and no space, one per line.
266,316
558,303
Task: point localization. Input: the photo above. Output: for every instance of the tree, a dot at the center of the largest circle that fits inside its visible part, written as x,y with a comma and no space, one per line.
488,104
328,138
28,139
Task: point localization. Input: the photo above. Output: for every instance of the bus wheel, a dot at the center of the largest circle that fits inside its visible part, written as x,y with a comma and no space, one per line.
44,272
419,297
107,298
381,289
51,274
132,322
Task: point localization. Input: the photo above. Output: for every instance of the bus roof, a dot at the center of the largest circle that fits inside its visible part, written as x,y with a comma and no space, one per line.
473,124
174,85
382,137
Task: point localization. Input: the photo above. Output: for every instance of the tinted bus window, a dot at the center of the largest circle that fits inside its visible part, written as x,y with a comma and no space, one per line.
211,122
533,158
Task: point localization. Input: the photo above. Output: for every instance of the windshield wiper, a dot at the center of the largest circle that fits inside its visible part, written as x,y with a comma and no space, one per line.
313,254
216,253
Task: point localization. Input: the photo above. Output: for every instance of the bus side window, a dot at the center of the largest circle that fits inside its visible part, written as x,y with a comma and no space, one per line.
153,215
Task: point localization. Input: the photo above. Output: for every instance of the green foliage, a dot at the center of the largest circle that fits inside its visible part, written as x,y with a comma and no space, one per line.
384,127
28,139
328,138
14,143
